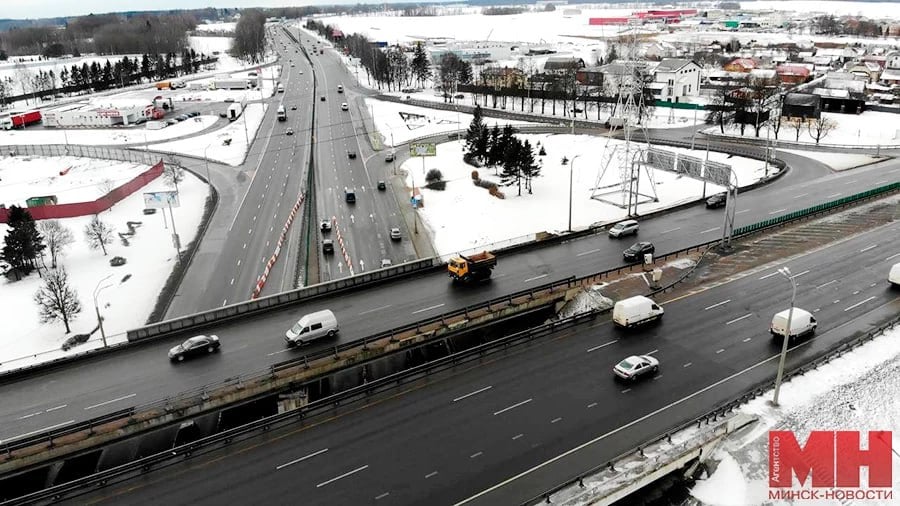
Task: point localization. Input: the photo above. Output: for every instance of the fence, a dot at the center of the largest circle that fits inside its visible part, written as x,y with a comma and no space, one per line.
95,206
103,152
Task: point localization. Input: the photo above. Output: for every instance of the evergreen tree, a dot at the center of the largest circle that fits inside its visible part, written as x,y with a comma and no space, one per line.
64,77
481,147
145,66
420,67
107,75
529,167
473,135
494,148
511,173
22,243
56,299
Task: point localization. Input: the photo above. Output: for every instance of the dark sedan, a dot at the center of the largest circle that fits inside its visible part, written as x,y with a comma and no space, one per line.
197,345
717,200
637,251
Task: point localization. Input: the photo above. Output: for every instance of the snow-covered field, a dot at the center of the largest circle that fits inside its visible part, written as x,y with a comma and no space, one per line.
456,216
871,128
212,144
126,304
85,179
857,391
24,70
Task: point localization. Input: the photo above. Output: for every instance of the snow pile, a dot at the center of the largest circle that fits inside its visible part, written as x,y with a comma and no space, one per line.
585,301
126,303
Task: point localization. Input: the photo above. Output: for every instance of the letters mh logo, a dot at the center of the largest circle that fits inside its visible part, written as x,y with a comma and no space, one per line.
831,460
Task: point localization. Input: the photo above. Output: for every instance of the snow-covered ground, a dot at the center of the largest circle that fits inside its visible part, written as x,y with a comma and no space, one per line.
105,136
456,216
20,71
84,179
871,128
239,131
837,161
217,27
857,391
125,304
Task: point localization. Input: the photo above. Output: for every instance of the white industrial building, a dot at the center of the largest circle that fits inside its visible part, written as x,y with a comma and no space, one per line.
95,114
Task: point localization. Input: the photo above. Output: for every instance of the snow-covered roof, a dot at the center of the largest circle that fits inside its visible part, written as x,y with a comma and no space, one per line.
673,64
890,75
831,92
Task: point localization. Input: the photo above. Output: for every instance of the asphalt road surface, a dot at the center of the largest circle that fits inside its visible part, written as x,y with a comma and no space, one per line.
506,429
95,386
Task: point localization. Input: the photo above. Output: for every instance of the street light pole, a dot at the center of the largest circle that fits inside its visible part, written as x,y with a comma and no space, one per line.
571,169
784,271
393,152
97,291
206,158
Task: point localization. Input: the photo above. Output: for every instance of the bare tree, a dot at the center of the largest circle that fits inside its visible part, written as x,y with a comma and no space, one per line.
57,300
105,186
98,234
820,127
56,237
173,174
762,93
796,124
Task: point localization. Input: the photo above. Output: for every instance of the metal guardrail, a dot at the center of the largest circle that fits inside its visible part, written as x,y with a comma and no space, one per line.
362,392
101,152
782,143
723,408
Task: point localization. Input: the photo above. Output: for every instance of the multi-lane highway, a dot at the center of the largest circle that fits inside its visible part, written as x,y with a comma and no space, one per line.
485,431
94,386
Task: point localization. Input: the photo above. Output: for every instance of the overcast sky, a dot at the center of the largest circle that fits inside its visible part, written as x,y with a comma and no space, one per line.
19,9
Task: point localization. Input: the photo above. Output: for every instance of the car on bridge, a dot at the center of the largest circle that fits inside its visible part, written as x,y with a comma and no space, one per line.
637,251
382,185
636,366
325,226
395,234
351,155
327,246
627,227
197,345
345,107
717,200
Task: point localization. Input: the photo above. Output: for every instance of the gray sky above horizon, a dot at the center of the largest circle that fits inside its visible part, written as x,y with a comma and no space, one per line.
33,9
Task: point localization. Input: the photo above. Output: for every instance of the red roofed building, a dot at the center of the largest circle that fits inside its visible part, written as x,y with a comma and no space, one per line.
608,21
792,74
337,34
741,65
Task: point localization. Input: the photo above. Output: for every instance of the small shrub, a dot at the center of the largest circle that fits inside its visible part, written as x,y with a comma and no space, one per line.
433,175
542,152
116,261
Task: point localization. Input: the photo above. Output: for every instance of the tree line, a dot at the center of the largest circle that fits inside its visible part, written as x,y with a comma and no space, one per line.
250,36
501,148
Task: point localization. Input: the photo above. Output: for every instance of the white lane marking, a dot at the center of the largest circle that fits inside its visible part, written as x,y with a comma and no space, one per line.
591,405
895,255
536,277
848,182
470,394
867,248
860,303
45,429
688,364
517,436
778,211
239,260
833,195
376,309
739,319
670,230
726,301
615,431
232,281
382,496
29,416
800,274
768,275
429,475
249,231
882,181
602,345
588,252
720,350
348,473
474,455
245,247
278,352
556,419
429,308
117,399
709,230
747,339
626,390
744,211
225,302
57,407
514,406
801,195
301,459
826,284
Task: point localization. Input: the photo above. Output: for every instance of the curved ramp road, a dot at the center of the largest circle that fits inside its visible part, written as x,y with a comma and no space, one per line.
143,374
504,430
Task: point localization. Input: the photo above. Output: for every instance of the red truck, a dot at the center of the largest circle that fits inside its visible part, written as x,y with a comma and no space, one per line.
20,119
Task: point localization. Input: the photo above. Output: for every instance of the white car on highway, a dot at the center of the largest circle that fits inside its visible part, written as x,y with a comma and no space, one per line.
635,366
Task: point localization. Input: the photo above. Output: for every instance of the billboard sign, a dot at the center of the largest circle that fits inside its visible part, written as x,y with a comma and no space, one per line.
160,200
423,149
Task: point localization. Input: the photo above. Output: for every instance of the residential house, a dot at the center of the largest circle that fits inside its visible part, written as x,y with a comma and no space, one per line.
867,69
616,76
740,65
505,77
659,50
680,78
842,92
562,64
893,60
881,60
891,77
801,105
763,74
589,76
792,74
841,54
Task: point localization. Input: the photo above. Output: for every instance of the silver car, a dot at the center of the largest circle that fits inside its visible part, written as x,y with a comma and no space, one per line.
635,366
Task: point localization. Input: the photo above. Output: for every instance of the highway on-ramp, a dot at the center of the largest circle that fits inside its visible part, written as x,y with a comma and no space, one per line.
504,430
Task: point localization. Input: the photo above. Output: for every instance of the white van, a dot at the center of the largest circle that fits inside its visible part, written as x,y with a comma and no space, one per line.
311,327
637,310
894,276
802,323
